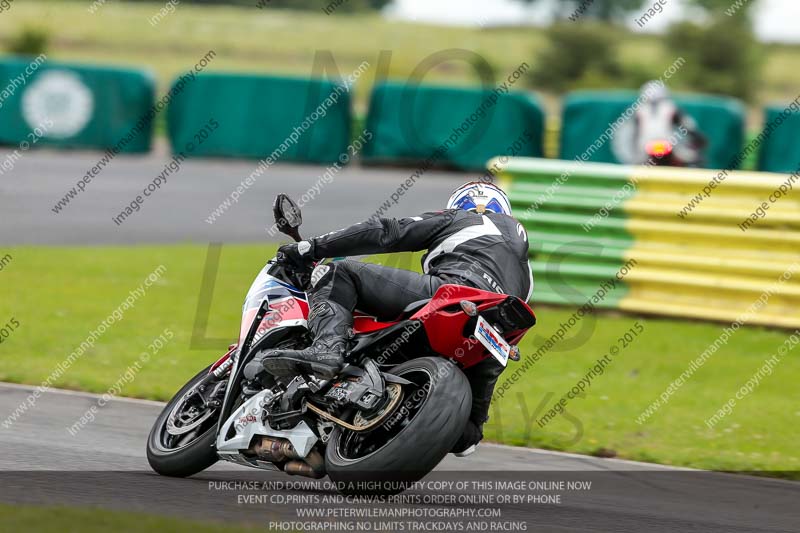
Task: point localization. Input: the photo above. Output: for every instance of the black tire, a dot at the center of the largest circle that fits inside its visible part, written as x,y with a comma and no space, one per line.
186,460
422,442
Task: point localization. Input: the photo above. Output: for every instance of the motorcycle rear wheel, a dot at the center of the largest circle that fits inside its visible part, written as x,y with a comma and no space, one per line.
423,429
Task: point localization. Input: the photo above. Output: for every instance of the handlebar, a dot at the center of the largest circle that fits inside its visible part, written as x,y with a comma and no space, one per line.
297,275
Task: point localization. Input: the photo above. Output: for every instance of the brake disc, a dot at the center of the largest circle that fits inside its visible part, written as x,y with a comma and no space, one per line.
193,418
393,392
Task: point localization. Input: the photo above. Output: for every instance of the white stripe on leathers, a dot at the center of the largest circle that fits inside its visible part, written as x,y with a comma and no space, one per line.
460,237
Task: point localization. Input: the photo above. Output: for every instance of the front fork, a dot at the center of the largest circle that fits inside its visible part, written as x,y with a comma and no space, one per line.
224,363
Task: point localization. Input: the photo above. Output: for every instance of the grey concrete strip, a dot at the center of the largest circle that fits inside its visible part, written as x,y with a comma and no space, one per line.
177,211
104,465
122,426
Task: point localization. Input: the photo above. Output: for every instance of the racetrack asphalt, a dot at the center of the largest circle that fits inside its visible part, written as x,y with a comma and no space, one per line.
104,465
177,211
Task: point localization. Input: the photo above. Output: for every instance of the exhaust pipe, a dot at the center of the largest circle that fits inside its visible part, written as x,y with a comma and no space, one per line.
275,450
281,450
312,466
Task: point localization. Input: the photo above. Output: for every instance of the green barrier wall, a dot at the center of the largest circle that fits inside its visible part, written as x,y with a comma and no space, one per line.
412,123
780,151
587,114
294,119
85,107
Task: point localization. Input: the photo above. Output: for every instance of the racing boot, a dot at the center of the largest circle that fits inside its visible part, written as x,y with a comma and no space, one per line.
468,442
330,324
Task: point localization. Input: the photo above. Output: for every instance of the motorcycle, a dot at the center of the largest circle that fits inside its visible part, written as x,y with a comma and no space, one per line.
392,413
660,153
663,153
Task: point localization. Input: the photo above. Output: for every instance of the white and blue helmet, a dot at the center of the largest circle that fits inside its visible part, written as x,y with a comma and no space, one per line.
480,196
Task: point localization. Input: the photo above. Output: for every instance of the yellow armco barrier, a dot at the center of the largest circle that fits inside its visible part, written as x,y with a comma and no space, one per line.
706,244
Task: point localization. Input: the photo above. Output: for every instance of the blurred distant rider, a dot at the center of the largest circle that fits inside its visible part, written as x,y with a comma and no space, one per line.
659,119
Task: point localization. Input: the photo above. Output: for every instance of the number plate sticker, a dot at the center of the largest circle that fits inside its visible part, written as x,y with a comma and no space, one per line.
492,341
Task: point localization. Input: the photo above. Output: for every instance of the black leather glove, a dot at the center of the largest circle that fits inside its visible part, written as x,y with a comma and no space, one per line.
473,434
298,254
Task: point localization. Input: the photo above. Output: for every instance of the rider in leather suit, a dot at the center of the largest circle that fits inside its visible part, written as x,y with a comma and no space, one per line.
473,242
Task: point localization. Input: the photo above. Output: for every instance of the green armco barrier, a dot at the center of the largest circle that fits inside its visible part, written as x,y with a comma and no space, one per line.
287,119
587,115
461,127
780,151
75,106
617,231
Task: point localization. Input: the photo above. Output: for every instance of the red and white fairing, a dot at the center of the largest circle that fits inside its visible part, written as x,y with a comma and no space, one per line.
288,306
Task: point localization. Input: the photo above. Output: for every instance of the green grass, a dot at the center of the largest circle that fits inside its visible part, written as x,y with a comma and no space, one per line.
59,294
89,520
760,434
281,41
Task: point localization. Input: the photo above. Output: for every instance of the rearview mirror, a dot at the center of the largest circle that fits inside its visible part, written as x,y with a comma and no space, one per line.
287,216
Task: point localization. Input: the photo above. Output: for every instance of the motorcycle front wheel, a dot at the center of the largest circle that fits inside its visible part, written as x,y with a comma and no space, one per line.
421,431
182,441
